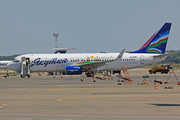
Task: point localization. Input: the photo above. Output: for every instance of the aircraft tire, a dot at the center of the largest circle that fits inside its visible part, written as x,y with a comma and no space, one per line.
22,76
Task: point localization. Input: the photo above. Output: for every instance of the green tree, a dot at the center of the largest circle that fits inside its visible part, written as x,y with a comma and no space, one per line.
8,57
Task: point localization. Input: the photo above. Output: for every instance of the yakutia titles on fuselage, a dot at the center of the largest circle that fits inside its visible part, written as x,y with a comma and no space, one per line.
151,52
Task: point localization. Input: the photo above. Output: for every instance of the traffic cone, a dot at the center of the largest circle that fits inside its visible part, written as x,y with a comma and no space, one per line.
147,82
155,86
90,78
109,77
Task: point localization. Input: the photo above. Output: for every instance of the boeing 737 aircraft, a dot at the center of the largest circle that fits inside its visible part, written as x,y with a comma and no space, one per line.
151,52
3,64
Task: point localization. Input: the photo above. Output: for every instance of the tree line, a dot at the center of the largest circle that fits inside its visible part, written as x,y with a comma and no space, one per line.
174,58
3,58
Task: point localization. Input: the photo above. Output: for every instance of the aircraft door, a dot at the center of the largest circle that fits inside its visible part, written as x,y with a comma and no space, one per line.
28,65
27,61
142,61
25,67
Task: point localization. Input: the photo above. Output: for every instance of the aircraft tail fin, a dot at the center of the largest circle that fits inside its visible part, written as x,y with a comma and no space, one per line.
158,41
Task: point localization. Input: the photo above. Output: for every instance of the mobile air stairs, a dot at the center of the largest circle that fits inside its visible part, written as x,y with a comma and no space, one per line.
25,70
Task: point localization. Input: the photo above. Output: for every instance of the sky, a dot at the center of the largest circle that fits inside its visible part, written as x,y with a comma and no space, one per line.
27,26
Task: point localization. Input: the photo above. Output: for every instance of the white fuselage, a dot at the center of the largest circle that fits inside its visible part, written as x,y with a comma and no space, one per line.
58,62
3,64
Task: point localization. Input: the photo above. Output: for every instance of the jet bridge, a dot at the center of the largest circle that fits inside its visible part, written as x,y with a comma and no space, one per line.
25,71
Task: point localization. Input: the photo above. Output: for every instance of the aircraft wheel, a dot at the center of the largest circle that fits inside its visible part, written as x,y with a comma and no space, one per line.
22,76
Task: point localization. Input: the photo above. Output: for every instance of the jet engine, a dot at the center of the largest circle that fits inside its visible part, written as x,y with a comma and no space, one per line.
73,70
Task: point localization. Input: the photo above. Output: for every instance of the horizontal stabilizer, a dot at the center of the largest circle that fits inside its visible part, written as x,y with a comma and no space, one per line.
163,55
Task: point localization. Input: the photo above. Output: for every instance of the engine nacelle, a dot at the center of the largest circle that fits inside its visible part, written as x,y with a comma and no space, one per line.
71,70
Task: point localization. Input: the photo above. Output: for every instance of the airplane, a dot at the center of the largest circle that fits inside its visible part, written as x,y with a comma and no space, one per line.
3,64
151,52
62,50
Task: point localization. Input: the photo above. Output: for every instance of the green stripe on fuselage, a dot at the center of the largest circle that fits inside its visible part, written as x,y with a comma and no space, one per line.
83,63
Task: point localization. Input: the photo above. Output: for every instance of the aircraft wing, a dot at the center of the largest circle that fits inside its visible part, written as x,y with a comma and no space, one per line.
164,55
99,64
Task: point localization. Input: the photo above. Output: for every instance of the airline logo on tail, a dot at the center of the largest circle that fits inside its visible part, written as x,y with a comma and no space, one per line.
157,43
154,45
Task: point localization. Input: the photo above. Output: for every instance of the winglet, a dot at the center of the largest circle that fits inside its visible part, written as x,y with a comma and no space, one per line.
120,55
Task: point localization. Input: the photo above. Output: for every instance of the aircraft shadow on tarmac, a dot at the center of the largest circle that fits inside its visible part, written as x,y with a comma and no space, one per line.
166,104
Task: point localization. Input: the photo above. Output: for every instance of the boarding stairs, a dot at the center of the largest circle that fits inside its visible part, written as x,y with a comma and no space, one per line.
172,71
125,73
